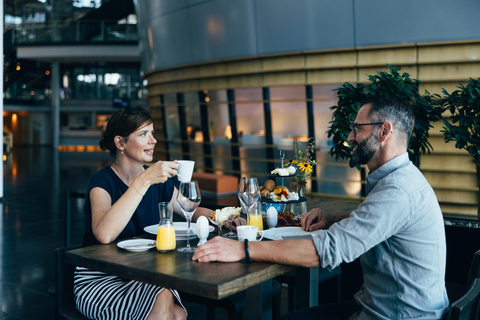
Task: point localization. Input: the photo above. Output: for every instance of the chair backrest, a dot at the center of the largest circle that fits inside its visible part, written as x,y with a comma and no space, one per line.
474,269
69,195
64,300
466,308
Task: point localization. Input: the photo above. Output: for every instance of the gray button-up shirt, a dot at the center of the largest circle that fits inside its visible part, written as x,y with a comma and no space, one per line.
398,233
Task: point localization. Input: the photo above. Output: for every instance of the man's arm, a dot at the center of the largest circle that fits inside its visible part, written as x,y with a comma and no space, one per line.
300,252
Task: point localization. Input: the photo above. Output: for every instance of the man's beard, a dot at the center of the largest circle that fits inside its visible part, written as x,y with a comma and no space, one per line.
366,150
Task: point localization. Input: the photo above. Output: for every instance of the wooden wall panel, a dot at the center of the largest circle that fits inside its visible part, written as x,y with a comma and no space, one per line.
452,180
242,67
331,76
284,63
216,83
364,72
284,79
453,196
247,81
436,87
392,56
331,60
449,53
450,72
448,162
214,70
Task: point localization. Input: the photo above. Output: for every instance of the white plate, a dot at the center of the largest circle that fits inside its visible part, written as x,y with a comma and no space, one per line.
136,245
279,233
180,230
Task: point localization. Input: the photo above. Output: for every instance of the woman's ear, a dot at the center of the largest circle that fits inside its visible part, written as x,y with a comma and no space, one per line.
118,142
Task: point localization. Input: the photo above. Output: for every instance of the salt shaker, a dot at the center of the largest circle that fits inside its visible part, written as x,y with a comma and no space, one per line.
272,217
202,229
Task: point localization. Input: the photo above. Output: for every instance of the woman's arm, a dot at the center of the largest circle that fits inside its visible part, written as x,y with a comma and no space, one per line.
108,221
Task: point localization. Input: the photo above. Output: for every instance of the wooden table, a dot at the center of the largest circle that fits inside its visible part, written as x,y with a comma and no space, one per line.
212,280
177,271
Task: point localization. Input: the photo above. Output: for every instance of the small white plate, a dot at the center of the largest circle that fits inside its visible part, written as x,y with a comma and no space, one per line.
136,245
180,230
279,233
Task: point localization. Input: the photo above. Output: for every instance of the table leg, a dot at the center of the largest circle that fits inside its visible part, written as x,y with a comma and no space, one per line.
259,301
306,291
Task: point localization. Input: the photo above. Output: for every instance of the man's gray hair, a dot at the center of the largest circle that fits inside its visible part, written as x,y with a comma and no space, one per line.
395,111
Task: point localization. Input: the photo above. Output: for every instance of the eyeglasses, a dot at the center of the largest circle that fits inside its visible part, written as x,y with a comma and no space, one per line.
132,110
363,124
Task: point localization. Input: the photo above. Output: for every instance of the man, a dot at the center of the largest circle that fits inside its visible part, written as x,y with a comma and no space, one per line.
397,232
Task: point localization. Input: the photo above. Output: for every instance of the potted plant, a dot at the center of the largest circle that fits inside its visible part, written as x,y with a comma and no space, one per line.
425,108
464,125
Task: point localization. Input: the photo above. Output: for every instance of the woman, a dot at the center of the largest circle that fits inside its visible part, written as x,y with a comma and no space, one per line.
121,200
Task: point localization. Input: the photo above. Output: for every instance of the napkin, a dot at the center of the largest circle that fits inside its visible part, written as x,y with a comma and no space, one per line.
280,172
223,215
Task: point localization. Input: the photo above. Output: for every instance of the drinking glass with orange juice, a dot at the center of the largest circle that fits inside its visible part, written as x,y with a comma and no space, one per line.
255,216
249,196
166,233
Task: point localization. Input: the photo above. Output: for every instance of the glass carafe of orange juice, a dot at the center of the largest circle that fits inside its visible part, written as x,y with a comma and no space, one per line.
255,216
166,233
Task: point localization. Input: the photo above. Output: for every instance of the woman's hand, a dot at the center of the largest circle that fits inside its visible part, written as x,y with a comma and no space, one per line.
236,222
161,171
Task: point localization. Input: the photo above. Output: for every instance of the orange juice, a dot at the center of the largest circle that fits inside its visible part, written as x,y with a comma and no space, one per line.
256,220
166,237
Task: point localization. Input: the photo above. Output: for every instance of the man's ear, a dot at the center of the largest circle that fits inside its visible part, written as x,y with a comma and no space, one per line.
386,129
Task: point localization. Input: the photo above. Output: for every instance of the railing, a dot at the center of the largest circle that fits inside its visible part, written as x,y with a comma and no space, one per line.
76,32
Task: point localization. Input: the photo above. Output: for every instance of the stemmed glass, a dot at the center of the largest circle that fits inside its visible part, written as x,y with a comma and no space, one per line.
188,199
248,193
230,233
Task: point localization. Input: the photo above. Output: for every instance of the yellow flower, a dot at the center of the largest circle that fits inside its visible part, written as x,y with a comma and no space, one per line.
291,162
305,167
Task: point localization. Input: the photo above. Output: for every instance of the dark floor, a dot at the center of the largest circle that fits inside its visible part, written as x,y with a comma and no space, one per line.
35,180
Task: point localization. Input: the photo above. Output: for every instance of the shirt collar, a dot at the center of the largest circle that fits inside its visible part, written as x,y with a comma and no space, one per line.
386,169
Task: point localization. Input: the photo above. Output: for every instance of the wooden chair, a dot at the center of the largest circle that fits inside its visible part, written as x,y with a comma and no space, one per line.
455,291
69,195
64,301
467,307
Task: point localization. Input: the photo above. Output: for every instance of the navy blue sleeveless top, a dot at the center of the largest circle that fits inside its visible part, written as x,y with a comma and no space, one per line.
146,213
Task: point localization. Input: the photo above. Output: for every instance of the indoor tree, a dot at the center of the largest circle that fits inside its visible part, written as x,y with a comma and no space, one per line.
464,124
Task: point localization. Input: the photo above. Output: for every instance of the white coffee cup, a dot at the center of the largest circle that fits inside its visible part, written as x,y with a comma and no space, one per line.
185,170
249,232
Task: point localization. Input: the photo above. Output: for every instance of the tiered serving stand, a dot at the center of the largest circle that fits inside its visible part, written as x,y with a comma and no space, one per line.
282,178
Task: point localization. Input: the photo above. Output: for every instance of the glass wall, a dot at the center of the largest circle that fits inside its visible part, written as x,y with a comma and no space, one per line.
289,118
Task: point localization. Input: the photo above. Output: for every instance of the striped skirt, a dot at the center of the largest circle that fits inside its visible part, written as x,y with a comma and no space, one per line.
102,296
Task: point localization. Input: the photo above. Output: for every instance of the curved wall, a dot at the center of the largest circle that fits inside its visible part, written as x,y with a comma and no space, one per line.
184,32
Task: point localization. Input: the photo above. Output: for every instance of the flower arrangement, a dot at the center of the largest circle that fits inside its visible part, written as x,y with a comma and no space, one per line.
303,162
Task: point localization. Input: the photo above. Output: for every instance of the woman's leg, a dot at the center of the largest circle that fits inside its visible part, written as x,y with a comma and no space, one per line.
165,308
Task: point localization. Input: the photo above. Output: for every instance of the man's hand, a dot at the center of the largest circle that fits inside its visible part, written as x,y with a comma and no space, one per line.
316,219
220,249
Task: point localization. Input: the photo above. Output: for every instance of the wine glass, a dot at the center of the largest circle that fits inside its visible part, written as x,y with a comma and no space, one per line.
218,225
230,233
248,193
188,199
